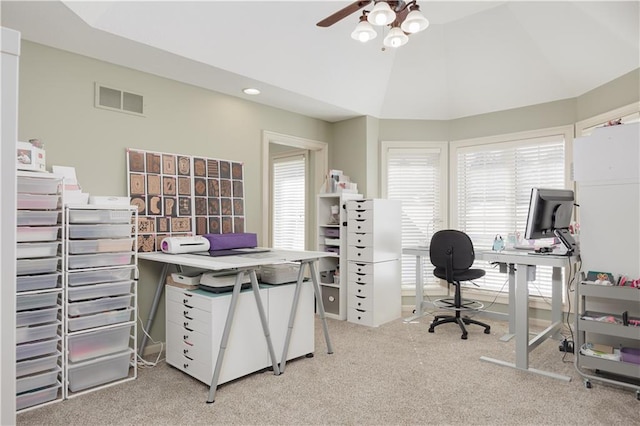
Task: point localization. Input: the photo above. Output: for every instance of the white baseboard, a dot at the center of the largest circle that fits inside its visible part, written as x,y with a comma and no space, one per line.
153,349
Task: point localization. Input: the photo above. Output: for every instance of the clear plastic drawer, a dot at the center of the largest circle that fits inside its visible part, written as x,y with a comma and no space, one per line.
99,290
27,302
49,249
37,217
36,316
25,234
37,201
80,261
100,231
34,349
99,305
99,320
99,371
100,246
101,276
38,185
39,396
37,332
45,265
36,365
100,216
37,282
37,381
98,343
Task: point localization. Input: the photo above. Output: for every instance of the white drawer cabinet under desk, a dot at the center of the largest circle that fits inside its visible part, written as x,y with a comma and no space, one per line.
373,254
196,319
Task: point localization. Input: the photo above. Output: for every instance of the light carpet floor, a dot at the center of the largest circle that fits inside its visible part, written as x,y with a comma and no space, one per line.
396,374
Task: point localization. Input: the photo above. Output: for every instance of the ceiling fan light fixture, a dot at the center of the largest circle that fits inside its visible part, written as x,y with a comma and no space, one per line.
395,38
415,21
381,14
364,32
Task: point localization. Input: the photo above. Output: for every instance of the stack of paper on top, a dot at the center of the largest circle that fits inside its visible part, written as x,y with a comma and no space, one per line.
72,191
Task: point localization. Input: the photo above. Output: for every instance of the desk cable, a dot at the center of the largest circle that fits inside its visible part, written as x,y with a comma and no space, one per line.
143,363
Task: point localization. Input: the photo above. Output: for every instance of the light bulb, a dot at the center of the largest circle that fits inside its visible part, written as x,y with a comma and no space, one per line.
414,22
364,32
381,14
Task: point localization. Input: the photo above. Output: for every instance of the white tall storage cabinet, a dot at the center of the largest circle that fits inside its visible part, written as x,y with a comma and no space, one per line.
100,296
39,286
332,237
373,254
608,193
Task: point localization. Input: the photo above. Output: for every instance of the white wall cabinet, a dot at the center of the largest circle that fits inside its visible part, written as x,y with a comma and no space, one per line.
100,297
373,255
39,331
196,320
332,237
608,193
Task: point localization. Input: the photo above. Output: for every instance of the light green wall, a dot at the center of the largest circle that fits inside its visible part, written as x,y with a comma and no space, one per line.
56,106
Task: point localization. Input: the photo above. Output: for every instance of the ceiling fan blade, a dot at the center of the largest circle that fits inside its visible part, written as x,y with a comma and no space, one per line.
343,13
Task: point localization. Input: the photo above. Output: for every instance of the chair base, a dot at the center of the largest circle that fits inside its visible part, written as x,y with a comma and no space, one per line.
461,321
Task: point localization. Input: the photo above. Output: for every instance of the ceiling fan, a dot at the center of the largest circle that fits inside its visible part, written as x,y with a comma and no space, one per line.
403,17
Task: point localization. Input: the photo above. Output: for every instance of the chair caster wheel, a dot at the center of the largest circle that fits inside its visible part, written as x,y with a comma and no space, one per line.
464,337
487,331
431,330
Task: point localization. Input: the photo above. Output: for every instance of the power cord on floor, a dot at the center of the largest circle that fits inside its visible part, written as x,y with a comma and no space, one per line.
143,363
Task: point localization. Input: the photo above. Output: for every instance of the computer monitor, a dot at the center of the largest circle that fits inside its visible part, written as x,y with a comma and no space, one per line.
549,216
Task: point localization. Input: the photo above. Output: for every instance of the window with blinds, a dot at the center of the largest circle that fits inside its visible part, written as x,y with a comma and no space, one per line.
288,214
493,187
417,177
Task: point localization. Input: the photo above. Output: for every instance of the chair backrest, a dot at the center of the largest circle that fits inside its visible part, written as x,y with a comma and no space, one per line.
451,244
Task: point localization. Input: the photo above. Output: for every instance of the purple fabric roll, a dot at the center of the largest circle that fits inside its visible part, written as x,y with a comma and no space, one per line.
231,241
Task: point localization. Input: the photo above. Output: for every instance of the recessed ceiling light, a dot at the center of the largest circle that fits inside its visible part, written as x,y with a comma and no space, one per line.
251,91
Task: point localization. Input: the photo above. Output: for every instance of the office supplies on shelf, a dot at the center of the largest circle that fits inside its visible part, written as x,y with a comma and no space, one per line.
179,245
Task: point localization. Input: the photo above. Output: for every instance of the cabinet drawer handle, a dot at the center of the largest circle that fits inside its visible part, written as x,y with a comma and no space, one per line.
185,324
185,366
187,316
185,351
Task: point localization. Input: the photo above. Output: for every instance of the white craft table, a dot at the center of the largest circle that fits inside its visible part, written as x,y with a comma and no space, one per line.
521,265
242,264
420,252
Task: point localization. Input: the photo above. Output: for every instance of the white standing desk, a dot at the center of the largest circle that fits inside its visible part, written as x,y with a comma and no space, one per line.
520,264
420,252
242,264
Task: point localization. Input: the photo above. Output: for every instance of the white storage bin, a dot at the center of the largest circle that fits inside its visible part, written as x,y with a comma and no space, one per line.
102,276
99,305
34,349
36,316
37,332
27,302
36,397
45,265
99,231
37,381
279,273
25,234
100,246
35,185
37,217
100,216
36,365
98,320
99,290
98,343
24,250
80,261
37,201
99,371
37,282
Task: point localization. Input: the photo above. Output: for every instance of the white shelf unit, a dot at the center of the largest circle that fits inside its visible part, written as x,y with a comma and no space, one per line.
608,193
195,323
374,252
100,271
332,237
39,286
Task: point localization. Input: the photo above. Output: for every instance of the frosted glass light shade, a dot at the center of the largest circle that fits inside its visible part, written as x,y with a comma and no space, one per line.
414,22
364,32
381,14
395,38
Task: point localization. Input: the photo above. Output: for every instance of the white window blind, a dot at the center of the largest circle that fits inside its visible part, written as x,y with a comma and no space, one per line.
414,176
289,203
494,184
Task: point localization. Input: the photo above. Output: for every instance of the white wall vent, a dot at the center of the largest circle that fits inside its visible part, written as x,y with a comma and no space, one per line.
118,100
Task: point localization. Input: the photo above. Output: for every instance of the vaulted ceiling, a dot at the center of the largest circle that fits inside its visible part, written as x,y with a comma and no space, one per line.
475,57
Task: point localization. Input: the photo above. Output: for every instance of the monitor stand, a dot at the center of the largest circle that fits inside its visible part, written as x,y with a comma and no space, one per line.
567,241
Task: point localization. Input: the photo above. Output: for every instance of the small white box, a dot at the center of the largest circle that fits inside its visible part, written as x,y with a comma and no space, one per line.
186,278
30,157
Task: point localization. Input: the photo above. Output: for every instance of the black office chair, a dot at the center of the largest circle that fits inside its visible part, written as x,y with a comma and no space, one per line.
452,254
